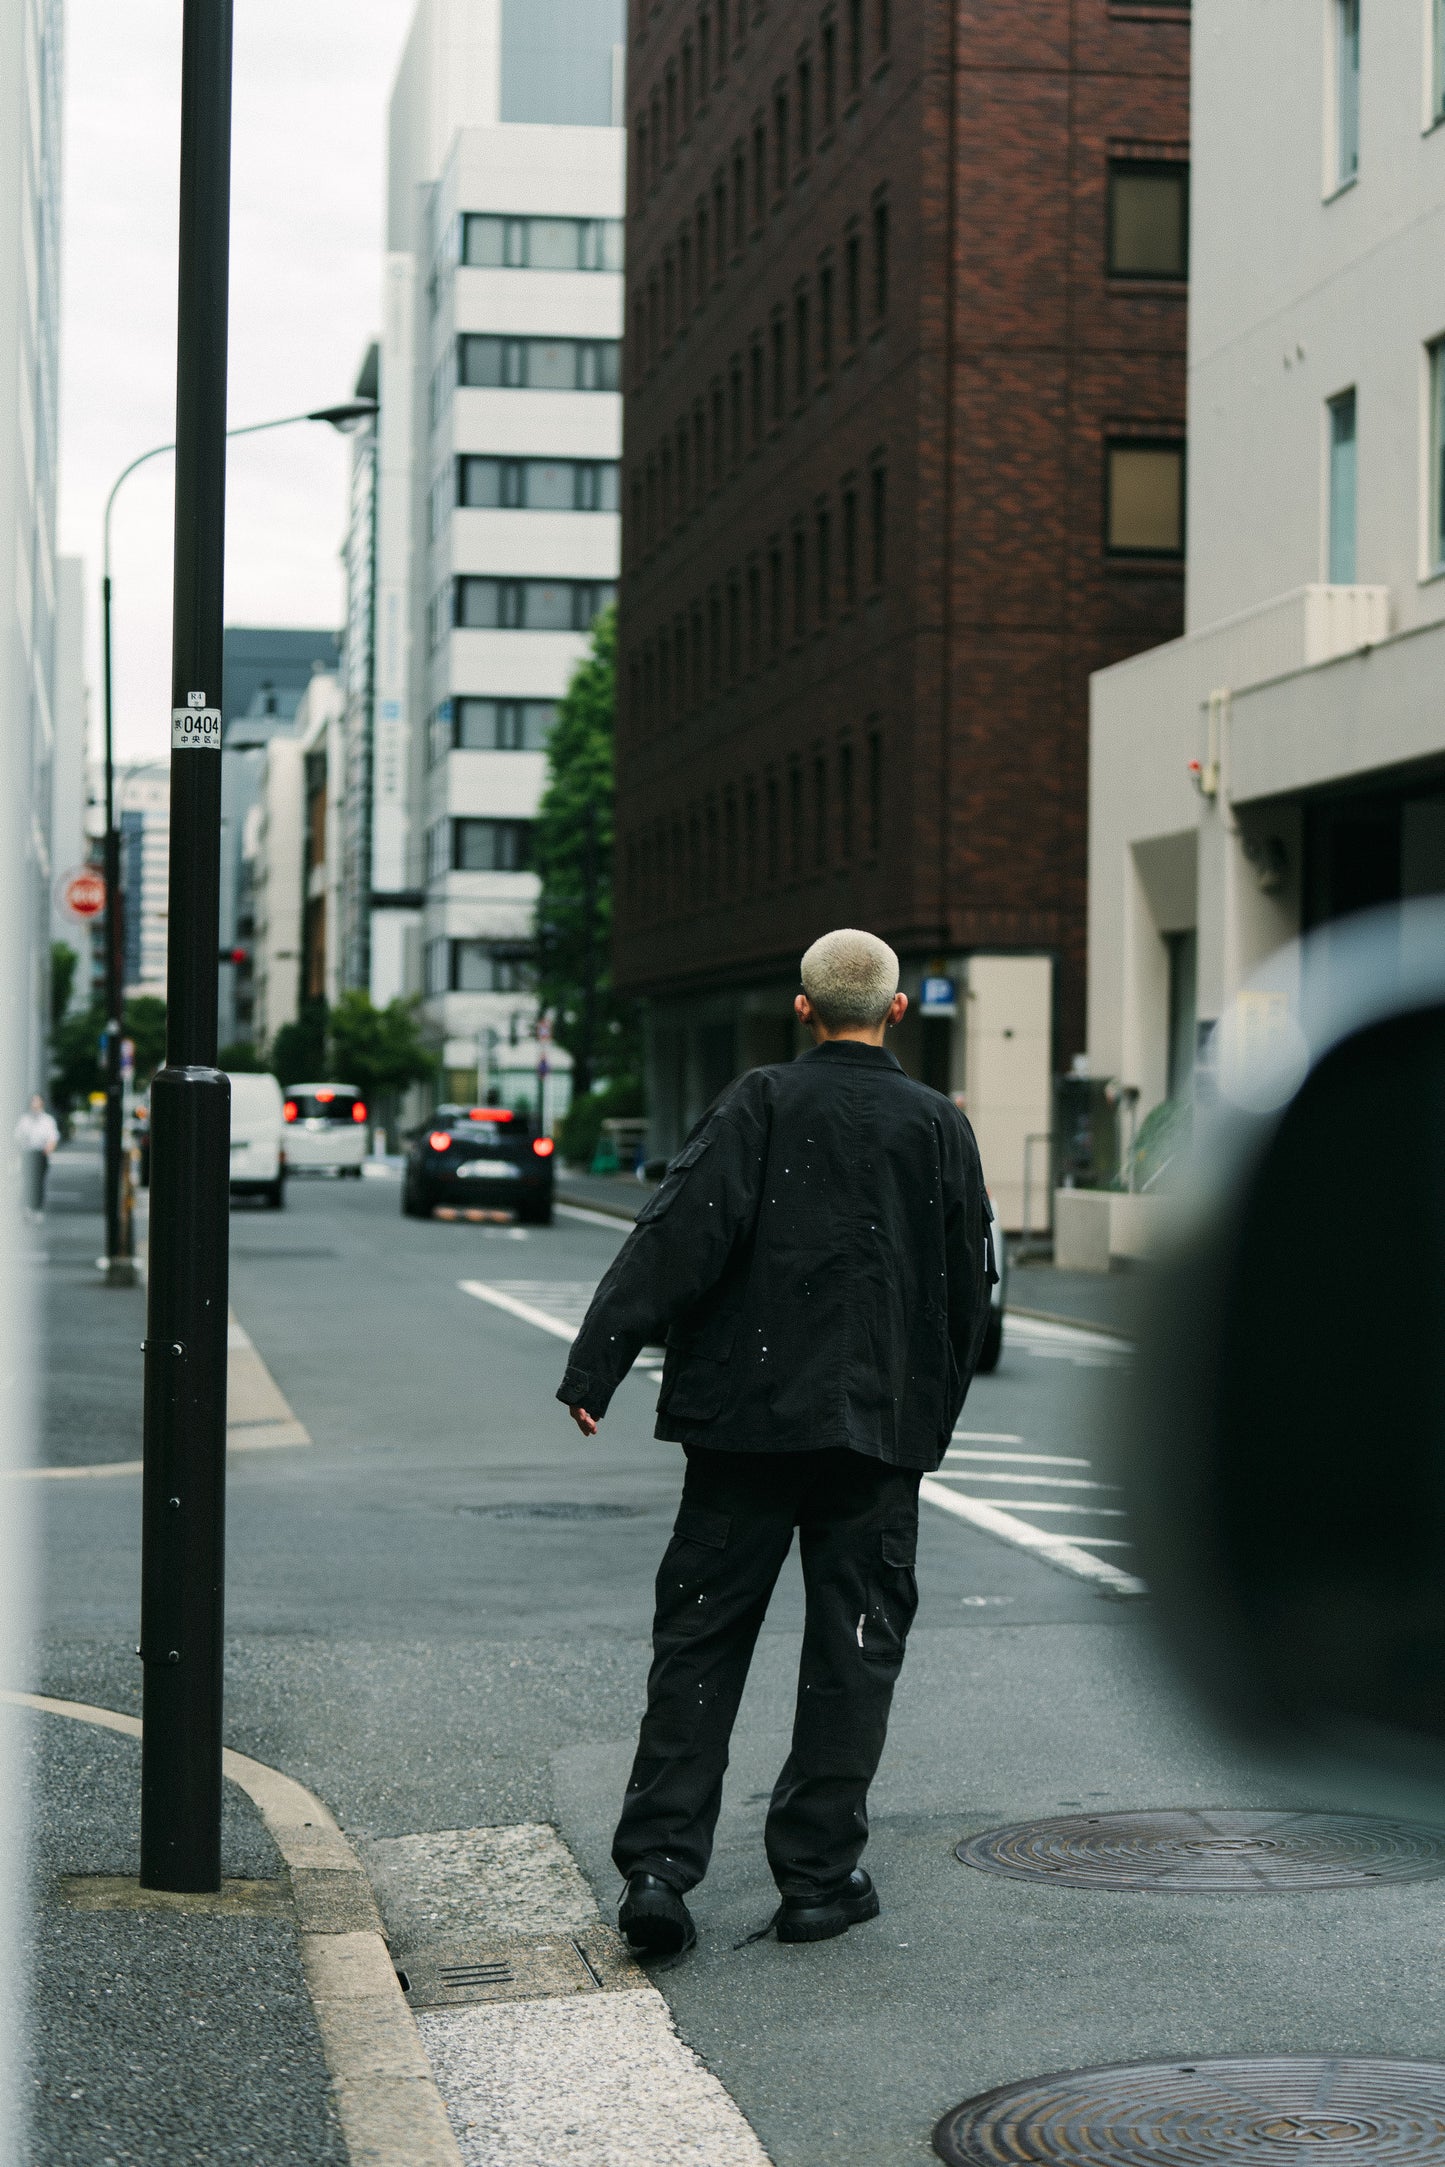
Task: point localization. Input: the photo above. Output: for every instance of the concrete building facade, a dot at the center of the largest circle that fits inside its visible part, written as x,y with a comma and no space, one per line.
1284,762
497,524
31,53
907,293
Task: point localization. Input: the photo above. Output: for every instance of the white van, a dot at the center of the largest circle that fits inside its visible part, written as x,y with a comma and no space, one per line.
258,1161
326,1129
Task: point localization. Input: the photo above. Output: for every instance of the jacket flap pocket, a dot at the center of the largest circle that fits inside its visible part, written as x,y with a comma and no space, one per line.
672,1180
900,1546
693,1524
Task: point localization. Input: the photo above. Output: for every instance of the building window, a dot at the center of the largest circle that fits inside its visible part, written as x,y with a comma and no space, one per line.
780,367
735,628
491,846
878,524
538,485
755,615
775,597
845,801
825,314
800,345
735,408
855,47
800,583
805,110
880,258
795,820
824,567
853,288
780,141
1343,489
687,84
530,605
474,725
740,214
488,363
850,548
1148,220
875,792
1437,59
484,967
750,839
885,28
828,56
704,55
820,811
1437,456
773,842
760,174
545,244
755,382
1347,90
1145,510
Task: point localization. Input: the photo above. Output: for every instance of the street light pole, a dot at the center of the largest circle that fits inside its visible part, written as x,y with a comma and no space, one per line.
120,1263
183,1518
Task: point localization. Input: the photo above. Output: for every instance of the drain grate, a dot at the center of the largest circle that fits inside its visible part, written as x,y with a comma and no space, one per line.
555,1509
1210,1851
449,1976
1196,2114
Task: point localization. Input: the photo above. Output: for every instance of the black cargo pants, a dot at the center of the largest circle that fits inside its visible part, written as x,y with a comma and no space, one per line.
858,1534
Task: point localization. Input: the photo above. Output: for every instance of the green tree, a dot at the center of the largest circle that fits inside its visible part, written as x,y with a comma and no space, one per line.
241,1058
380,1050
143,1021
63,965
573,854
298,1051
76,1067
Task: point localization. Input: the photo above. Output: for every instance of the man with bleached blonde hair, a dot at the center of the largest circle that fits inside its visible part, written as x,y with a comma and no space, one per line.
818,1261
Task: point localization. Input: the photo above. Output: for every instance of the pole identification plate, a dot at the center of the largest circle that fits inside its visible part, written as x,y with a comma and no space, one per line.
195,729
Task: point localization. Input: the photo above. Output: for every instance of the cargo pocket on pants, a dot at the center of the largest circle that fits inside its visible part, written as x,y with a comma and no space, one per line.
882,1631
691,1566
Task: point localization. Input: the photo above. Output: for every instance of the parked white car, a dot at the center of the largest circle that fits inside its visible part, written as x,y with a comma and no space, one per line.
325,1129
258,1155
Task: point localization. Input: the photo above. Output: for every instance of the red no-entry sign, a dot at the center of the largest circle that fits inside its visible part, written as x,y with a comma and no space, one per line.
82,893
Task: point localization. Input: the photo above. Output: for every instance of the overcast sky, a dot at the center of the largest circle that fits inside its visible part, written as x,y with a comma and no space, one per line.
308,162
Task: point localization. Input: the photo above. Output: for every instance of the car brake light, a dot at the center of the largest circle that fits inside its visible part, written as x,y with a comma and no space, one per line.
490,1113
543,1146
289,1110
358,1111
324,1098
439,1140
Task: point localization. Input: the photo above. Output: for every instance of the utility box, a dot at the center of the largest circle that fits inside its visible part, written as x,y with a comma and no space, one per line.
1008,1034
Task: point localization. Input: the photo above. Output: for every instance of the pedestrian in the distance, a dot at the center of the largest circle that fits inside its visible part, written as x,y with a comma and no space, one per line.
818,1260
37,1135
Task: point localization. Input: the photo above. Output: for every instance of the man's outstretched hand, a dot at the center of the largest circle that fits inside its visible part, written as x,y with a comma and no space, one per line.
586,1423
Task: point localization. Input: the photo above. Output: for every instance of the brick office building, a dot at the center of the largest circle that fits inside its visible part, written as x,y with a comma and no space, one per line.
904,464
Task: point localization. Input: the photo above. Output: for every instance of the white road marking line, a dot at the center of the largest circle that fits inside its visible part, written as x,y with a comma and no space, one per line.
614,1219
988,1437
1040,1331
1048,1504
1052,1549
1032,1459
481,1292
1050,1482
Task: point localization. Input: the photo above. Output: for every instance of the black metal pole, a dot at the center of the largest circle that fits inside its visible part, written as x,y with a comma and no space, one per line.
120,1270
586,1052
183,1535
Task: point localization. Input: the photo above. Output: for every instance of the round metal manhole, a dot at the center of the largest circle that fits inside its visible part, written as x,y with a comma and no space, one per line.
555,1509
1196,2114
1210,1851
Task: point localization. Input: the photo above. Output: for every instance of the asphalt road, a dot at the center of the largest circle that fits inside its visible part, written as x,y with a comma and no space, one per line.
438,1618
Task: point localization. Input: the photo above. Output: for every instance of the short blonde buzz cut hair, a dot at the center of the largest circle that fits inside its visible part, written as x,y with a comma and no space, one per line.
850,979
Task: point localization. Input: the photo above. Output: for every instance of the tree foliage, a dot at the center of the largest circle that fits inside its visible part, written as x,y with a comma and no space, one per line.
298,1051
64,963
380,1050
573,854
76,1065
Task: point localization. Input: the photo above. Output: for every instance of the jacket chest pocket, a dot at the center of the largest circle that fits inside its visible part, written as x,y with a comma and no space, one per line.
698,1370
692,1566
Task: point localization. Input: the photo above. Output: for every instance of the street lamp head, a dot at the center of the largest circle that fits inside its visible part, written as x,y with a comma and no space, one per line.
347,415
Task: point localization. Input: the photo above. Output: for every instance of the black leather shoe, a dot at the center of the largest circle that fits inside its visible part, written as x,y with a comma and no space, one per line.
819,1918
654,1917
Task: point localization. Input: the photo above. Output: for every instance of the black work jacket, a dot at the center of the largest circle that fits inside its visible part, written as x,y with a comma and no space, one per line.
818,1260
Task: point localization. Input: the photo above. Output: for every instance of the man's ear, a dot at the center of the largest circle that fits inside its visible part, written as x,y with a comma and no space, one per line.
898,1009
803,1008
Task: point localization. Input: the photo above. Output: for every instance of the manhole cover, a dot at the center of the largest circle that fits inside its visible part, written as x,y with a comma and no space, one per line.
1209,1850
1191,2114
555,1509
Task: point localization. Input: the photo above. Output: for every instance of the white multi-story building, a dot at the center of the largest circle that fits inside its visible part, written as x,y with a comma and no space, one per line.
497,507
1284,762
143,816
30,146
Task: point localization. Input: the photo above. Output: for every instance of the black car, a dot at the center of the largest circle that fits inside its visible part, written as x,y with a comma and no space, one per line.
479,1158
